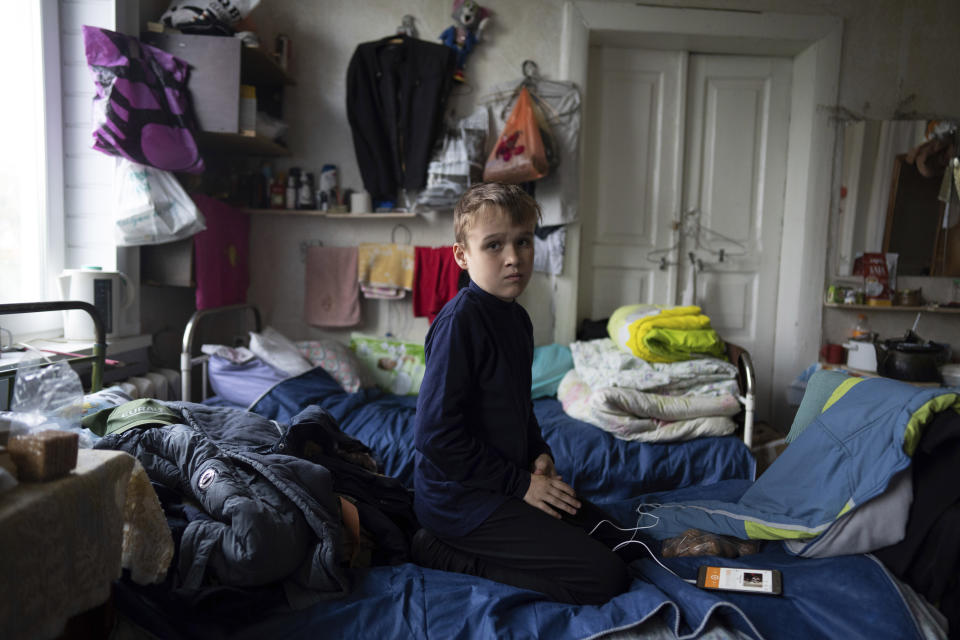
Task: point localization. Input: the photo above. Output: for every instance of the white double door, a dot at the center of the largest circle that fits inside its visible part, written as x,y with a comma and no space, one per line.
678,142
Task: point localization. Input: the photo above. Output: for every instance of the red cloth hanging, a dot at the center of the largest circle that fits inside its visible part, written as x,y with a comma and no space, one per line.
435,276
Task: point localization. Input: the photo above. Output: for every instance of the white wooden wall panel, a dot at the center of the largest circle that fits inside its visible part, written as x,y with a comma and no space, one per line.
613,285
629,114
76,13
736,155
732,166
87,174
730,297
87,201
633,153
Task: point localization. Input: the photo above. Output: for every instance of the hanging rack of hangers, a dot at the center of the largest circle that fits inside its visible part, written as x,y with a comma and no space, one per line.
540,90
704,239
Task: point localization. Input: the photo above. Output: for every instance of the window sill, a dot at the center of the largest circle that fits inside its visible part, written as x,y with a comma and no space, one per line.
115,346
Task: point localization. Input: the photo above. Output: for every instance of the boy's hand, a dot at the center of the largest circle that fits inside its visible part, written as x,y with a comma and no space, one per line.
548,493
543,466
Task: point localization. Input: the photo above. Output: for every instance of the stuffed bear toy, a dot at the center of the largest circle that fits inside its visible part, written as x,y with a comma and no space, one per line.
470,19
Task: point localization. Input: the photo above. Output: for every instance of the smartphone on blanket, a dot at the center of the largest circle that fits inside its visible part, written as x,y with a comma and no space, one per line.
765,581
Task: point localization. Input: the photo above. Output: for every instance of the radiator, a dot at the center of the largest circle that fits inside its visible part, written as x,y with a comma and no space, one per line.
161,384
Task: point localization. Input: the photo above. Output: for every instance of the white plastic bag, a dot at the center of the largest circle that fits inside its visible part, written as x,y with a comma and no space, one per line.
180,14
457,162
150,206
46,396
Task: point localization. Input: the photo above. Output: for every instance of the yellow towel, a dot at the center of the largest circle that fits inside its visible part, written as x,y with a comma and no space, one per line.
385,265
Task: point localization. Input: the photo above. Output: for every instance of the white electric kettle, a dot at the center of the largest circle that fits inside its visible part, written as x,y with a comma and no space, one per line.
111,292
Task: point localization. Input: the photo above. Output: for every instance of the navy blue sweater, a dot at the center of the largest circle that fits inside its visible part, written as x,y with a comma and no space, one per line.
476,434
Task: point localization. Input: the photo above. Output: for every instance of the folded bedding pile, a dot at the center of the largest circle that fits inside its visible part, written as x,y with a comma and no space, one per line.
635,399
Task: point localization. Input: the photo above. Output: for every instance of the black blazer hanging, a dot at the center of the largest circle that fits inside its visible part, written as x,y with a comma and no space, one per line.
397,90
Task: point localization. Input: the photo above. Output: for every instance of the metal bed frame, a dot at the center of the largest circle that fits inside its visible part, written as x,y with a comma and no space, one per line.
746,376
747,383
188,360
98,358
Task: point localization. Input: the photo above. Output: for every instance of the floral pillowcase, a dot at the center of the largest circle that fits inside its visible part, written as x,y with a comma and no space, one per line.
339,361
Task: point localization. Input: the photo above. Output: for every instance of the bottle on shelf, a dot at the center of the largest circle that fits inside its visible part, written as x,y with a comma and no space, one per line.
248,110
266,173
293,187
305,195
861,329
278,198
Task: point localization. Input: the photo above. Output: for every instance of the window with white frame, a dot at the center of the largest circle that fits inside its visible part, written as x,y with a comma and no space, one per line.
31,204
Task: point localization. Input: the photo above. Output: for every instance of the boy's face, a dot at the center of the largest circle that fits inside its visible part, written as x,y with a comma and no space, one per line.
498,254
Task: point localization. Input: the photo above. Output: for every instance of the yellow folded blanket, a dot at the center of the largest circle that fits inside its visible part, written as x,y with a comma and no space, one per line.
664,334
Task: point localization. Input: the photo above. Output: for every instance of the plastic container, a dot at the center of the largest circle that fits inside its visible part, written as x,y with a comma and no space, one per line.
951,375
861,355
861,329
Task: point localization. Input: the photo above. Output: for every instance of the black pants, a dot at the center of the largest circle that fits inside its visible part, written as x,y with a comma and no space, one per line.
522,546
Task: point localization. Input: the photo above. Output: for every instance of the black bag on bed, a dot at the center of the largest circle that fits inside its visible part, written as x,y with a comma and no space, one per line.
385,505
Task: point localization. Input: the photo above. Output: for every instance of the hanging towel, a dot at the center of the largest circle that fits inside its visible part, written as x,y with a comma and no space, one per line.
221,254
381,293
331,297
435,280
385,265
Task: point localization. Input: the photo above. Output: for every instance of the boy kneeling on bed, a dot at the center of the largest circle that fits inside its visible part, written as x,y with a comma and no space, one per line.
486,490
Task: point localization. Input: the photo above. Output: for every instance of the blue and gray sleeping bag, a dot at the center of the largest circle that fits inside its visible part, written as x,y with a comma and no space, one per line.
843,485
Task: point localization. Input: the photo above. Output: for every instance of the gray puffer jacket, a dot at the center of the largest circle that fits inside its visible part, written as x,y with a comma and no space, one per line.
264,515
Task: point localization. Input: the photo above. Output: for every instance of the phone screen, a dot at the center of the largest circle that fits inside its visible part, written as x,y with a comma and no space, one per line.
738,579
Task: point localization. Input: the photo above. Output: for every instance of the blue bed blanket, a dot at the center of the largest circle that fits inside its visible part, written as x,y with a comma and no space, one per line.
847,596
598,465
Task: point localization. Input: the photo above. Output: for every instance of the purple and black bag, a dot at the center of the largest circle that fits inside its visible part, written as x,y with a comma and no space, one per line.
142,105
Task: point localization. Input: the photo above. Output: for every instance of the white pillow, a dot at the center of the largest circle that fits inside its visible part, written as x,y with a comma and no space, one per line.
278,351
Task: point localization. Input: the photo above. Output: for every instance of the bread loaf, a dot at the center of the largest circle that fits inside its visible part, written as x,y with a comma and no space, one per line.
44,455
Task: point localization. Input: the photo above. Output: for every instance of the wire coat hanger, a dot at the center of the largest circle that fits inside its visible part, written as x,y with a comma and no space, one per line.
393,233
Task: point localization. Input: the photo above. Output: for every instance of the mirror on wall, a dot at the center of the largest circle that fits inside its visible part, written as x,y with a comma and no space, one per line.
898,194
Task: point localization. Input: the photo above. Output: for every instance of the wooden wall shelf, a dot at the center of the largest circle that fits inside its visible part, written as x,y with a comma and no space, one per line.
234,143
867,307
336,216
259,68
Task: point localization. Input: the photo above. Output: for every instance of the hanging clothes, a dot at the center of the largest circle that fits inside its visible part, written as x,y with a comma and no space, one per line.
558,192
331,298
385,270
436,280
221,254
397,90
549,244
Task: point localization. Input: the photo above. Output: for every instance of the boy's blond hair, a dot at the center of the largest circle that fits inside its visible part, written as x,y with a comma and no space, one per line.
509,198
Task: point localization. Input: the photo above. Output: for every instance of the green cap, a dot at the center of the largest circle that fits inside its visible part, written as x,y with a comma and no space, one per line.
130,414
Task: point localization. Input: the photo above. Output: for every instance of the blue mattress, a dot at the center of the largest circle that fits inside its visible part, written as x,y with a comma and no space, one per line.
848,596
599,466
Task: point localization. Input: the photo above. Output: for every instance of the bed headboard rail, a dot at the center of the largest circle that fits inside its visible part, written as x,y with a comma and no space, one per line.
187,358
